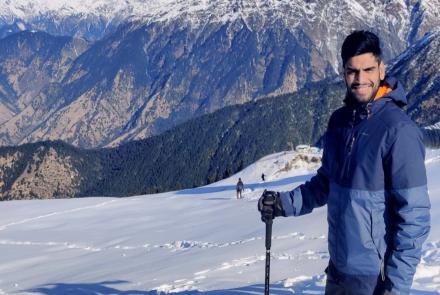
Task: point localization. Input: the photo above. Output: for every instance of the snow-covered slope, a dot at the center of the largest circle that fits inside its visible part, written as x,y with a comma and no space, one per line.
189,242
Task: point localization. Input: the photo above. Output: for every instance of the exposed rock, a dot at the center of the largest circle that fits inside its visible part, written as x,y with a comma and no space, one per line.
47,175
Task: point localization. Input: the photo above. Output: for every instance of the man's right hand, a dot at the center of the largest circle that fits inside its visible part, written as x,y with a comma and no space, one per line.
270,205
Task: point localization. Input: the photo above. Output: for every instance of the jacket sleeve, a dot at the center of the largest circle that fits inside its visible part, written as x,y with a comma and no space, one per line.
406,184
304,198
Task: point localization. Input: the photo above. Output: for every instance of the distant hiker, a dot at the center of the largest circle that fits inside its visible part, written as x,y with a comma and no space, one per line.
372,178
262,176
239,187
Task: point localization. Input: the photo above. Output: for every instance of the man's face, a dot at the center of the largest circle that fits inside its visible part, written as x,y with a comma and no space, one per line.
363,74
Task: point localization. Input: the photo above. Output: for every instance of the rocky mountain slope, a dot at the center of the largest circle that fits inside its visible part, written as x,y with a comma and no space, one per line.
174,60
30,65
197,152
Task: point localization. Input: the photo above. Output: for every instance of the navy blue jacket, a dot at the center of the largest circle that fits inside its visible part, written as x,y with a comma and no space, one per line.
373,180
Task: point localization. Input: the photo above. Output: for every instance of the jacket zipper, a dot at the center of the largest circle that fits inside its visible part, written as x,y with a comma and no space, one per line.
349,148
353,139
353,120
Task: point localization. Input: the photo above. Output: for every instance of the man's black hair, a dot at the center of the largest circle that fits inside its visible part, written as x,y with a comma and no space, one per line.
360,42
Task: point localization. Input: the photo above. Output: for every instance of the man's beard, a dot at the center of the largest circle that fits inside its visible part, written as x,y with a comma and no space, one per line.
353,98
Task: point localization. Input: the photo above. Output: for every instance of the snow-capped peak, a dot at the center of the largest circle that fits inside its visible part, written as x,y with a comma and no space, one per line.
151,10
26,9
294,13
219,9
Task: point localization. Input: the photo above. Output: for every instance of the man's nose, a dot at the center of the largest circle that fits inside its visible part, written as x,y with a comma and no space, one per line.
360,77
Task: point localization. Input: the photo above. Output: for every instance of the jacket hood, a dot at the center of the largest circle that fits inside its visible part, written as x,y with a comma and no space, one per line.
397,94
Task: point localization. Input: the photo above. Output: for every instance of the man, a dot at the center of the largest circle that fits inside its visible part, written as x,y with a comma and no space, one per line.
372,179
239,188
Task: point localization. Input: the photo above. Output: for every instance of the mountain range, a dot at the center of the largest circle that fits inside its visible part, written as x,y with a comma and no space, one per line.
207,148
164,62
200,151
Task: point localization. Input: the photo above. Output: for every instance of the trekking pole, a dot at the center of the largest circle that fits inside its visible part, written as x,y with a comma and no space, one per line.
268,219
268,243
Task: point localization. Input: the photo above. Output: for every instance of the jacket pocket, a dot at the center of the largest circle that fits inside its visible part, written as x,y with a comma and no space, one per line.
375,238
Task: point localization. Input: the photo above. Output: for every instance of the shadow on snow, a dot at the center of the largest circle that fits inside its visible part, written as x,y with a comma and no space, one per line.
108,288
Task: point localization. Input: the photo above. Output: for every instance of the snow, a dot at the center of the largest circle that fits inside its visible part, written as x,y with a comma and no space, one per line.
192,241
151,10
196,10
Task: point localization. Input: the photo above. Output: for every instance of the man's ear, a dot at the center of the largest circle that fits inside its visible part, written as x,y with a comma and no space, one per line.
381,71
342,72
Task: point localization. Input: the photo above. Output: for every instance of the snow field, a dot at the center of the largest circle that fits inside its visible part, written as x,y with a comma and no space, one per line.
193,241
